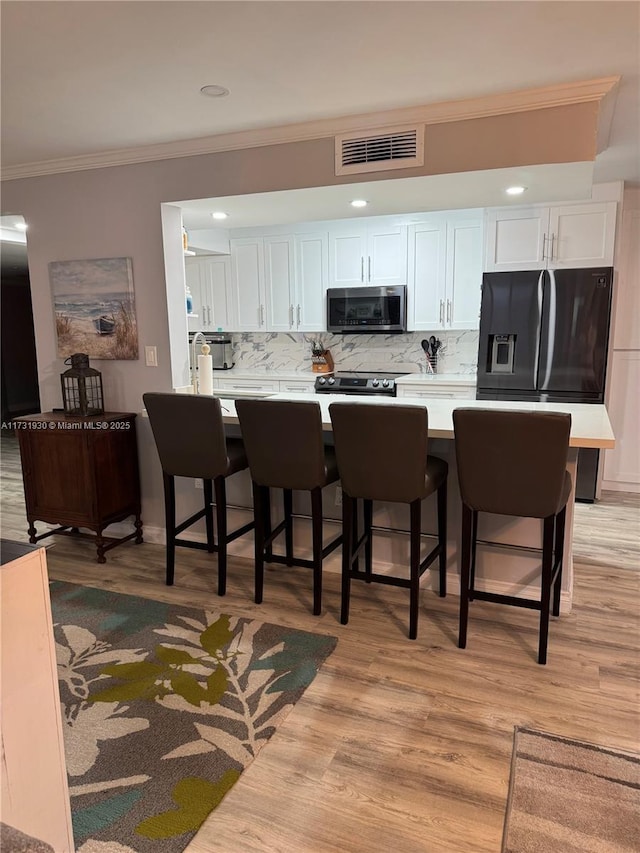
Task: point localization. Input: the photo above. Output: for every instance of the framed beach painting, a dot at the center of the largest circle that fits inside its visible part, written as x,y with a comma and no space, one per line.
94,307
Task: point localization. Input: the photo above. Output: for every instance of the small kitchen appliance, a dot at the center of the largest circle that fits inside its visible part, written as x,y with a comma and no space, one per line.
356,382
221,349
366,310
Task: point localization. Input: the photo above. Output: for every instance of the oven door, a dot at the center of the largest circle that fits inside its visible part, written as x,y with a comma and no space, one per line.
363,310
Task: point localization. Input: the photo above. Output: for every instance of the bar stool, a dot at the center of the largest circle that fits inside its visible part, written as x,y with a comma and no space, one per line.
285,450
190,438
382,455
513,463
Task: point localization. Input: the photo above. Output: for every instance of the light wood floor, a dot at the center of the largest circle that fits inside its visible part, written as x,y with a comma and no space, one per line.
397,745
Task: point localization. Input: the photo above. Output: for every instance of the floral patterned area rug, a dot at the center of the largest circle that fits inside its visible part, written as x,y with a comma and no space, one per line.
163,707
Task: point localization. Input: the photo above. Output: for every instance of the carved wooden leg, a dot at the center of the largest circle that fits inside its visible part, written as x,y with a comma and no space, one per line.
138,526
32,532
100,543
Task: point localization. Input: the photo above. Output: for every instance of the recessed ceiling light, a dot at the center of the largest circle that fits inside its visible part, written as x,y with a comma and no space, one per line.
214,91
515,190
359,202
20,226
219,214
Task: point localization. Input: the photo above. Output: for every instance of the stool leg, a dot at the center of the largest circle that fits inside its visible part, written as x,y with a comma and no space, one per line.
545,591
288,530
414,563
170,524
316,521
221,517
368,543
208,517
347,551
265,502
474,548
442,537
465,561
559,557
259,535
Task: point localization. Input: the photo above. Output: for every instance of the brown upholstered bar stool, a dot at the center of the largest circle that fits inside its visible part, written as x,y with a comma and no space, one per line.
190,438
382,455
513,463
285,450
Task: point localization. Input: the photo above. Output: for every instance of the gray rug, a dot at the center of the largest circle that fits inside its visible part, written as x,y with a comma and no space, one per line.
163,708
567,796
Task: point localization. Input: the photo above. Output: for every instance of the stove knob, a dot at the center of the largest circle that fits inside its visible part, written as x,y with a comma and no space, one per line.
374,382
321,381
385,383
331,380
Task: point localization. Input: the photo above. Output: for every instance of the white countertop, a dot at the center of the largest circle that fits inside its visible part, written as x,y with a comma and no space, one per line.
590,425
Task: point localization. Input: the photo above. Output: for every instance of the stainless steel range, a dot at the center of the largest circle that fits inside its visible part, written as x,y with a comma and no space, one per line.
355,382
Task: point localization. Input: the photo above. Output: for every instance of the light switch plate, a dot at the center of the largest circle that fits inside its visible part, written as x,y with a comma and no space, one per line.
151,356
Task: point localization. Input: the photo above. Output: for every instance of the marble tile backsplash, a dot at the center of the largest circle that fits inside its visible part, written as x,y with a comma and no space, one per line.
292,351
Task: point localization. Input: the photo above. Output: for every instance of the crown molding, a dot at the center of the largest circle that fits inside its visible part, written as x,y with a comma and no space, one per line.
445,111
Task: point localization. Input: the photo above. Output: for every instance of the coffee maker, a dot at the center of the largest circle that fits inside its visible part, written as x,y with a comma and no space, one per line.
221,352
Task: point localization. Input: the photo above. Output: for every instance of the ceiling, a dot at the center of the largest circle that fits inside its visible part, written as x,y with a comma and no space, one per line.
83,78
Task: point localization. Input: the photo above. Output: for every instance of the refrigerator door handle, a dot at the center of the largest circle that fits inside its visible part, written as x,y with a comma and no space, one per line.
551,332
536,359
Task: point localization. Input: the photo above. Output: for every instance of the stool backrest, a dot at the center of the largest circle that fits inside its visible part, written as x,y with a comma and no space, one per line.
381,450
512,463
283,442
189,434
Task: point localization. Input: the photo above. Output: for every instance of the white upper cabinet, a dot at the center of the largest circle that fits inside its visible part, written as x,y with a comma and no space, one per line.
279,274
427,283
516,238
464,274
312,279
209,280
362,254
445,273
536,238
249,300
582,235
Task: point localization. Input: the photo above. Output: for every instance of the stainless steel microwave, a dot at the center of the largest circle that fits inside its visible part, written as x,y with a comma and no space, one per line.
358,310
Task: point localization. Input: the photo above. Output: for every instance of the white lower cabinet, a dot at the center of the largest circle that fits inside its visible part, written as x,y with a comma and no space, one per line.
298,386
433,392
445,273
246,387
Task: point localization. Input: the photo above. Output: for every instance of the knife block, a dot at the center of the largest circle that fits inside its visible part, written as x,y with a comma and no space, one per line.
322,363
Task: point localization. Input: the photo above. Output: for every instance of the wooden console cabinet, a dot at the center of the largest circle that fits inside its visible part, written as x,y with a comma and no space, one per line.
81,472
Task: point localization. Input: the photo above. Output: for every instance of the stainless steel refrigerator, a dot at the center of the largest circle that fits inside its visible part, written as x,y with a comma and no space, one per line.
544,336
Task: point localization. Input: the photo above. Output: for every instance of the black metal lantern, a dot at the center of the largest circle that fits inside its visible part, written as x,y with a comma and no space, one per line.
81,387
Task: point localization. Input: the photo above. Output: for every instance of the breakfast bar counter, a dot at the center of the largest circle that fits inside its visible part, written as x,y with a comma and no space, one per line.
501,567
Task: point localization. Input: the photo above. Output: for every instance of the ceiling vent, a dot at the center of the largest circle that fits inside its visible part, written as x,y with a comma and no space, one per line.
380,150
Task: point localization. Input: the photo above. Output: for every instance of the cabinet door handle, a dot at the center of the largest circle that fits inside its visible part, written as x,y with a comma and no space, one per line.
291,315
262,315
553,240
369,268
448,310
362,268
544,242
298,315
210,315
442,312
